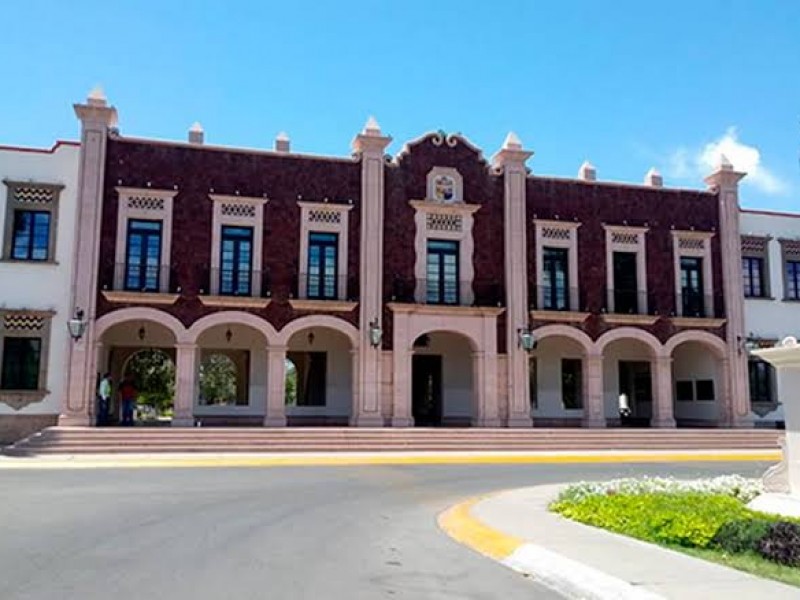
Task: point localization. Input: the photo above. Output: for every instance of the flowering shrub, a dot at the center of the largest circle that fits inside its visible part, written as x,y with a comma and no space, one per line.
738,487
781,544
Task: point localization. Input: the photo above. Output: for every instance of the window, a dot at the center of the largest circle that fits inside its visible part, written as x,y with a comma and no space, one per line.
21,363
792,280
692,286
626,290
306,381
571,383
31,214
753,277
143,256
323,259
684,391
236,261
31,235
442,272
760,374
533,383
555,278
704,389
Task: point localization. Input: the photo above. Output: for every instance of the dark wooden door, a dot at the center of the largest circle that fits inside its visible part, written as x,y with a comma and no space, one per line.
426,390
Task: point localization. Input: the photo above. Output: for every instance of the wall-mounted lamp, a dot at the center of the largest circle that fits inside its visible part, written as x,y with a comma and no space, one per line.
746,344
142,333
77,325
228,335
526,339
375,333
311,338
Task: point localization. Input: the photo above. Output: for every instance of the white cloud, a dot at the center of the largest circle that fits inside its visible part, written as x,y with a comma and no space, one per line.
684,163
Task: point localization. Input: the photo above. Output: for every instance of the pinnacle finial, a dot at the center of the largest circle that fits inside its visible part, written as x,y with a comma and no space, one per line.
97,96
512,142
724,163
282,142
196,133
653,178
587,172
371,127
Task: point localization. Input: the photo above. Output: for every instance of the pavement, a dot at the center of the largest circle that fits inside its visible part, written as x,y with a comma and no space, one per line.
516,529
334,532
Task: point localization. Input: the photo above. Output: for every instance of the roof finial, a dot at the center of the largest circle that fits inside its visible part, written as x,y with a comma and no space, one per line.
371,127
512,142
196,133
282,142
587,172
97,96
653,178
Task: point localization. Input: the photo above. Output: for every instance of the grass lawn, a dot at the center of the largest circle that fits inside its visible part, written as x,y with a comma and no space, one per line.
750,562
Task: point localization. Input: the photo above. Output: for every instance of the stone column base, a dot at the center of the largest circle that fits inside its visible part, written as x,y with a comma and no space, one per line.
520,422
182,422
662,423
487,422
402,422
368,420
75,421
594,422
275,421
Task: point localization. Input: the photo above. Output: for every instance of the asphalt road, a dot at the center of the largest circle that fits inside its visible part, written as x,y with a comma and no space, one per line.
268,533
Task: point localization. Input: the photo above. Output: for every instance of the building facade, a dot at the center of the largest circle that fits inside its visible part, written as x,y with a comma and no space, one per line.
435,287
37,232
771,285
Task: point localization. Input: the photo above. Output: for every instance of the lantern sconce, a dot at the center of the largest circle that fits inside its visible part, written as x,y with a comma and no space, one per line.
142,333
228,335
77,325
746,345
375,333
526,339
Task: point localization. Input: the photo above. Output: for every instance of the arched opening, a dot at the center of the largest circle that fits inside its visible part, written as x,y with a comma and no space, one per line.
151,372
442,391
697,384
628,374
144,350
318,385
557,381
231,375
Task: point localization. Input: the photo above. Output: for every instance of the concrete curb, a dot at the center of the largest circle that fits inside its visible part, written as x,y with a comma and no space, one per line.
199,460
563,575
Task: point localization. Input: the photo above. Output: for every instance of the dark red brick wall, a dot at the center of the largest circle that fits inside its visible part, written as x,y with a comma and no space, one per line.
595,204
407,180
194,172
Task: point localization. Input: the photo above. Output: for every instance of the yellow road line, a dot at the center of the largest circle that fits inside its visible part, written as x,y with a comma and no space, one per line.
378,459
460,525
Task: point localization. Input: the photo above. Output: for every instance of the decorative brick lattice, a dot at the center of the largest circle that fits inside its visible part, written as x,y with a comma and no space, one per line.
22,322
239,210
331,217
691,244
146,203
791,249
444,222
754,245
619,237
556,233
34,195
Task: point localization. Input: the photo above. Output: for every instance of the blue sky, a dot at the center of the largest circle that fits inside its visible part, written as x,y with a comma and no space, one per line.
625,84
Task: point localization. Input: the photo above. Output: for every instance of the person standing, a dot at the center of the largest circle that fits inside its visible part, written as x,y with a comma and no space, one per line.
127,392
103,399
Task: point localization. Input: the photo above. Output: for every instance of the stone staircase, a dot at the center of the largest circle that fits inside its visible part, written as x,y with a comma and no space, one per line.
73,440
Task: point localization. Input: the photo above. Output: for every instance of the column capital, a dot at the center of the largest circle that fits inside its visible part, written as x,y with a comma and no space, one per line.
272,349
185,346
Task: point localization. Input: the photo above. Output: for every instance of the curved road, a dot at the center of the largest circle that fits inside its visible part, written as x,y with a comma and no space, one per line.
268,533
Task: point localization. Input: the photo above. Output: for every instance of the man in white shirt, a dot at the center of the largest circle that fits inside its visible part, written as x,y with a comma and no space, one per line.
104,399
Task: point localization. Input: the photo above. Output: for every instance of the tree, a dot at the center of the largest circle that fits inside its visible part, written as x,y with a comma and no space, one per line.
154,375
218,380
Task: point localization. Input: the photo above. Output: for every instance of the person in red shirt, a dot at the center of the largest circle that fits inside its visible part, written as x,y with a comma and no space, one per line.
127,392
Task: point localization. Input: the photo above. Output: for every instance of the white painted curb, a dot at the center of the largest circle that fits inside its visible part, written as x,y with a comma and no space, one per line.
571,578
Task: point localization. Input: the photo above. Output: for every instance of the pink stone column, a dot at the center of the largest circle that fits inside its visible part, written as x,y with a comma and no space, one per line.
725,181
276,387
594,407
402,413
96,119
661,373
370,144
484,389
725,401
185,384
511,158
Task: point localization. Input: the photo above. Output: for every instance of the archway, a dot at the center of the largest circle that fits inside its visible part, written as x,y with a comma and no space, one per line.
699,378
141,344
442,380
557,379
630,389
319,374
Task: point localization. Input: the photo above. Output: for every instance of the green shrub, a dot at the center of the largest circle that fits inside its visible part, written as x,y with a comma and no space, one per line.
740,536
684,519
781,544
